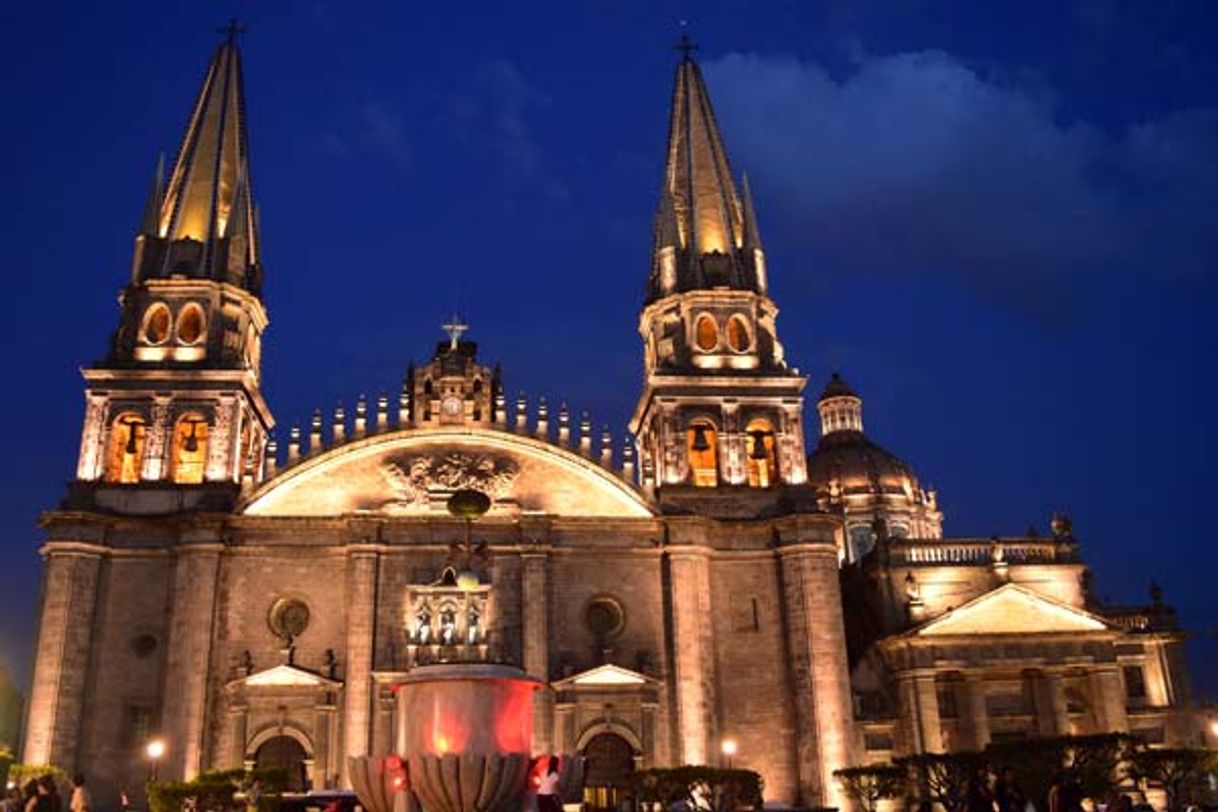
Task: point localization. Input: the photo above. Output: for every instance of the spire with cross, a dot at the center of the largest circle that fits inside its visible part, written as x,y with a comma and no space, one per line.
231,31
685,45
455,328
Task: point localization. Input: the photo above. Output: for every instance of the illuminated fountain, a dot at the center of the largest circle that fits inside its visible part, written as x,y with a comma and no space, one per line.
465,729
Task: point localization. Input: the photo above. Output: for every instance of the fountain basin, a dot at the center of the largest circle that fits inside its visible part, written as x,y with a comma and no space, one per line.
465,708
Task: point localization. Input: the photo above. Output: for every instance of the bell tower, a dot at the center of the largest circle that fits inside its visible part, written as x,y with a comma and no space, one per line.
176,402
720,409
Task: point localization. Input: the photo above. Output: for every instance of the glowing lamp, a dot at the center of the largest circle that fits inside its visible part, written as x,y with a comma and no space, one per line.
467,580
155,749
1214,728
728,747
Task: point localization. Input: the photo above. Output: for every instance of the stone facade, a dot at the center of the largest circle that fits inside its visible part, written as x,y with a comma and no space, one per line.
250,609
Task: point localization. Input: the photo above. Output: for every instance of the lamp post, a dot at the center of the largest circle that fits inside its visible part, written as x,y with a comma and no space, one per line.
155,751
728,747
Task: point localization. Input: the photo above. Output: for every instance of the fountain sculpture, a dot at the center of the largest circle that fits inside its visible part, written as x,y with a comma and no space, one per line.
465,729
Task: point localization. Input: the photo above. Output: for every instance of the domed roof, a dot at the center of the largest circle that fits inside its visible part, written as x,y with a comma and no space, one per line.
837,388
848,462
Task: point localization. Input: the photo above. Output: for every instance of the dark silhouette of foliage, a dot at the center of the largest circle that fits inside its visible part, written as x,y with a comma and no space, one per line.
709,789
867,785
1179,771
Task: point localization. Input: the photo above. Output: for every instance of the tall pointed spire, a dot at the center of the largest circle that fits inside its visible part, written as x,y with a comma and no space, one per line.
699,186
208,198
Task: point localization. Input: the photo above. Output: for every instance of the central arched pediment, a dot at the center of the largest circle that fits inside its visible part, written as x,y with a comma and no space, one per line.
413,472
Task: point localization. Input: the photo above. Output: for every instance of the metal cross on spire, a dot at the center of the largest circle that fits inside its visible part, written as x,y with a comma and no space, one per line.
231,30
455,327
685,45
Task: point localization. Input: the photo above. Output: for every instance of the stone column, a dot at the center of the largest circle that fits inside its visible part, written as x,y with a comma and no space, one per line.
819,670
535,605
240,717
920,710
61,654
1108,699
1052,712
362,566
973,710
188,659
693,653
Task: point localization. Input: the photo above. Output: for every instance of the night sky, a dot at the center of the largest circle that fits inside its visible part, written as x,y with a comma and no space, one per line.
998,220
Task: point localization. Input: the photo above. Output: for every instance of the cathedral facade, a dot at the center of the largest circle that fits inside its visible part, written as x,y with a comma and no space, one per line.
706,591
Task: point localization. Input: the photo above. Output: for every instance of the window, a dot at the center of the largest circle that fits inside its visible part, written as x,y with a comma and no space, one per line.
126,451
737,334
190,325
945,694
1135,683
156,323
701,446
706,333
189,449
861,541
762,468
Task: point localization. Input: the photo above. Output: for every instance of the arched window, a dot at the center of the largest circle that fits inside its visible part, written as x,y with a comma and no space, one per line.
126,451
156,323
763,470
706,333
701,444
861,541
189,449
191,325
738,334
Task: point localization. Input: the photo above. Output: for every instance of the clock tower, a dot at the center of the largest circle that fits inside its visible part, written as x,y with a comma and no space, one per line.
454,389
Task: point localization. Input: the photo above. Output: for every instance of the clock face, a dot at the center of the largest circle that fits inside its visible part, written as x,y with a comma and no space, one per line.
451,406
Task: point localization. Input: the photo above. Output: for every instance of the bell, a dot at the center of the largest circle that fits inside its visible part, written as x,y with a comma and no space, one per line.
758,452
192,442
468,580
130,449
700,443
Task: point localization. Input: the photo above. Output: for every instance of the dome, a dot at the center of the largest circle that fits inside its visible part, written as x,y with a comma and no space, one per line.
848,462
837,388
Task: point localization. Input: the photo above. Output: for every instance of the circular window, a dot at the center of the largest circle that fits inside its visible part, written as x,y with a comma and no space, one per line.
706,334
288,618
144,645
604,618
190,325
737,334
156,324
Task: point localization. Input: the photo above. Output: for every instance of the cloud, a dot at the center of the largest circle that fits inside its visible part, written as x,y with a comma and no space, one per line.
916,163
379,130
494,113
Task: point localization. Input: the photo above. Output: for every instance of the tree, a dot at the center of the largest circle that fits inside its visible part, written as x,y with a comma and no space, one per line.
867,785
708,789
943,777
1180,771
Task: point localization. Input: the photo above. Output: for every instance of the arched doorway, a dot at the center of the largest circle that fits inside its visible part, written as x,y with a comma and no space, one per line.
287,754
609,773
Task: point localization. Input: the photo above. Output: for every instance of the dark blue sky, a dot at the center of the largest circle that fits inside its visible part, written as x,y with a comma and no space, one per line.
998,220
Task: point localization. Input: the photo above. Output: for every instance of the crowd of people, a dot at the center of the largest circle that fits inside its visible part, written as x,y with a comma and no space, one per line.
42,795
1004,793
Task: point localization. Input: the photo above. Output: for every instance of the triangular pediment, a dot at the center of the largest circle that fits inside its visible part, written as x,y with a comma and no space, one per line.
606,676
287,676
1012,609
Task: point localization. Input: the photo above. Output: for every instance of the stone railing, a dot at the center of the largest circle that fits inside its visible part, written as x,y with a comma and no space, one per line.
980,552
379,417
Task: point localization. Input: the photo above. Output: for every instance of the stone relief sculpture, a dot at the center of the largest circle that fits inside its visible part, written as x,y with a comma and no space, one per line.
416,477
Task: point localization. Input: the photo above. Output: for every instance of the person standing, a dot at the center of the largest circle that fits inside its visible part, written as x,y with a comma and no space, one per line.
81,801
548,798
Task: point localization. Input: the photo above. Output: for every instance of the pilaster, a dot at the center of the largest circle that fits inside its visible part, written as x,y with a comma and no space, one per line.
1052,713
974,712
920,709
535,605
61,658
1108,700
187,665
362,566
693,662
819,669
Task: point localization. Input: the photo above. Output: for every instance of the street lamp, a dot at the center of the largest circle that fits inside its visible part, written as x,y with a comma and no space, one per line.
728,746
155,751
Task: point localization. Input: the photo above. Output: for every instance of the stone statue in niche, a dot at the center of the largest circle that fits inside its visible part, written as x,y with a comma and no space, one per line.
473,632
448,626
422,632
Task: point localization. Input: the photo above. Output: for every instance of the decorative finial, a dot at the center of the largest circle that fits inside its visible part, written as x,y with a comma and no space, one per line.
455,327
231,31
685,45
